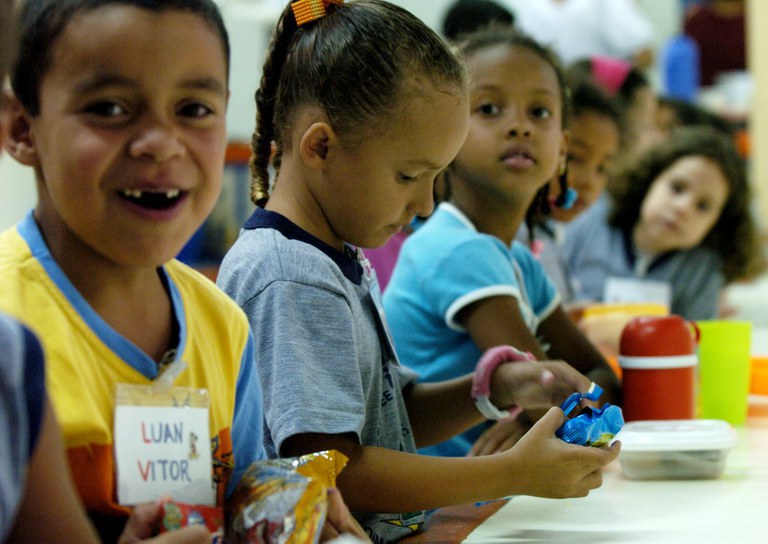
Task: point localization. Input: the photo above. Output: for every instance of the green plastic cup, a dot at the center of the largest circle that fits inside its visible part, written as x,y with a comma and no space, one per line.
724,369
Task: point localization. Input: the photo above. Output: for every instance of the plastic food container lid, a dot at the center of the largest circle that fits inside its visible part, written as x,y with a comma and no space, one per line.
676,435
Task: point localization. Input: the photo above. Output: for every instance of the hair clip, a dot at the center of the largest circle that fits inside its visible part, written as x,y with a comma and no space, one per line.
306,11
566,200
610,73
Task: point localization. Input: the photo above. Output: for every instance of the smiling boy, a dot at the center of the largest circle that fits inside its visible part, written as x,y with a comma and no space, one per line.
119,107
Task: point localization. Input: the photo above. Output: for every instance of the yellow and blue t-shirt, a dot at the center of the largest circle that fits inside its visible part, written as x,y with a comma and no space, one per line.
86,358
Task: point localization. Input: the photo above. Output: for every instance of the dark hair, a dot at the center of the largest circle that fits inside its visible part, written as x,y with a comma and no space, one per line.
6,36
466,16
495,36
733,237
43,21
355,63
687,114
588,97
634,80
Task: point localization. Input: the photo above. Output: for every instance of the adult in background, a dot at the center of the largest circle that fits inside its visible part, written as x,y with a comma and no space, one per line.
583,28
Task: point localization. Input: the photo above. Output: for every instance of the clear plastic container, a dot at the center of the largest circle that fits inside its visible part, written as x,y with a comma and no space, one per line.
675,449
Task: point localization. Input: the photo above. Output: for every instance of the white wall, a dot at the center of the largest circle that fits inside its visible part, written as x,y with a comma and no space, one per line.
17,191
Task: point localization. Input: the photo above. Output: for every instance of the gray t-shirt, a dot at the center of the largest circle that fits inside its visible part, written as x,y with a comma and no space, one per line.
596,251
547,249
325,359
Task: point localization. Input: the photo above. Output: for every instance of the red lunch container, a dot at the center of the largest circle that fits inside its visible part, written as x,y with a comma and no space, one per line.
658,362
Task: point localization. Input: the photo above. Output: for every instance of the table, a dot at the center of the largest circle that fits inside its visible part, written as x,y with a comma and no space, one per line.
733,508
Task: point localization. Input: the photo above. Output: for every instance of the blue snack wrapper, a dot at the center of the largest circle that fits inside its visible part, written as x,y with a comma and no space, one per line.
593,426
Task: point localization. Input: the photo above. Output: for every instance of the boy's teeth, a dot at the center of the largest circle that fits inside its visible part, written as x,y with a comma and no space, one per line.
136,193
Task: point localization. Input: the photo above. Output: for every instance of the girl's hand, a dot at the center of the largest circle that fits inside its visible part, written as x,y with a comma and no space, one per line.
545,466
500,436
537,384
339,520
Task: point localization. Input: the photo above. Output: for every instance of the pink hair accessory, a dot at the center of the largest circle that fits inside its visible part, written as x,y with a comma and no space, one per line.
610,73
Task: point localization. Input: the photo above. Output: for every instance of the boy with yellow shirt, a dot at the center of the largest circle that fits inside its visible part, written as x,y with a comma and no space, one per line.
119,107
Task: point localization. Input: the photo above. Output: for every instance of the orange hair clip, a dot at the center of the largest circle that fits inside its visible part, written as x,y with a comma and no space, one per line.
306,11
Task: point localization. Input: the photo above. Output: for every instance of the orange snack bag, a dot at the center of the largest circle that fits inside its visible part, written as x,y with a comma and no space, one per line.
283,500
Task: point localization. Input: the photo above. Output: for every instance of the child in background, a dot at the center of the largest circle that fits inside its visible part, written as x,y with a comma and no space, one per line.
633,94
678,230
127,140
366,105
595,127
462,283
463,17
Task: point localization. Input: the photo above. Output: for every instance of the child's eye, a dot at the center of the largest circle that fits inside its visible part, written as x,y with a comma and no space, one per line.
195,109
105,108
677,187
406,179
541,112
574,158
488,109
703,206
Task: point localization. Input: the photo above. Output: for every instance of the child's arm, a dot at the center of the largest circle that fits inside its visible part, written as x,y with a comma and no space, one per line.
498,320
50,510
383,480
569,343
439,411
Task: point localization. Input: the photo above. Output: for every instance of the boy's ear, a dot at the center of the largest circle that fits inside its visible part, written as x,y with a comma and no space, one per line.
317,140
18,140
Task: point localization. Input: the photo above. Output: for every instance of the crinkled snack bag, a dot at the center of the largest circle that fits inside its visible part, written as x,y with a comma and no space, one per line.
283,500
593,426
177,515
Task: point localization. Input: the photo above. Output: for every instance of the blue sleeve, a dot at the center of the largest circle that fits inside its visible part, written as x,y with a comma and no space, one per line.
34,385
248,421
470,271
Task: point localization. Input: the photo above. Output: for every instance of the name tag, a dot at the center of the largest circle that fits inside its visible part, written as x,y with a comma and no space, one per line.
630,290
162,446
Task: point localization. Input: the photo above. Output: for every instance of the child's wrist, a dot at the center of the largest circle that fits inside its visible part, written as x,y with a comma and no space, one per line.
481,381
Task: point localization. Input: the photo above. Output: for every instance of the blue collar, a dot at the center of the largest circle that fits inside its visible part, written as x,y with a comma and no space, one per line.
346,261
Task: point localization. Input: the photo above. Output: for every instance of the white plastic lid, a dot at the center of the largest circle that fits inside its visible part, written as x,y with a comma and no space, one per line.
676,435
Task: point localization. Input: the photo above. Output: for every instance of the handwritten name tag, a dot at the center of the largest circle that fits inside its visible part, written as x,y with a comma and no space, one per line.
163,450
